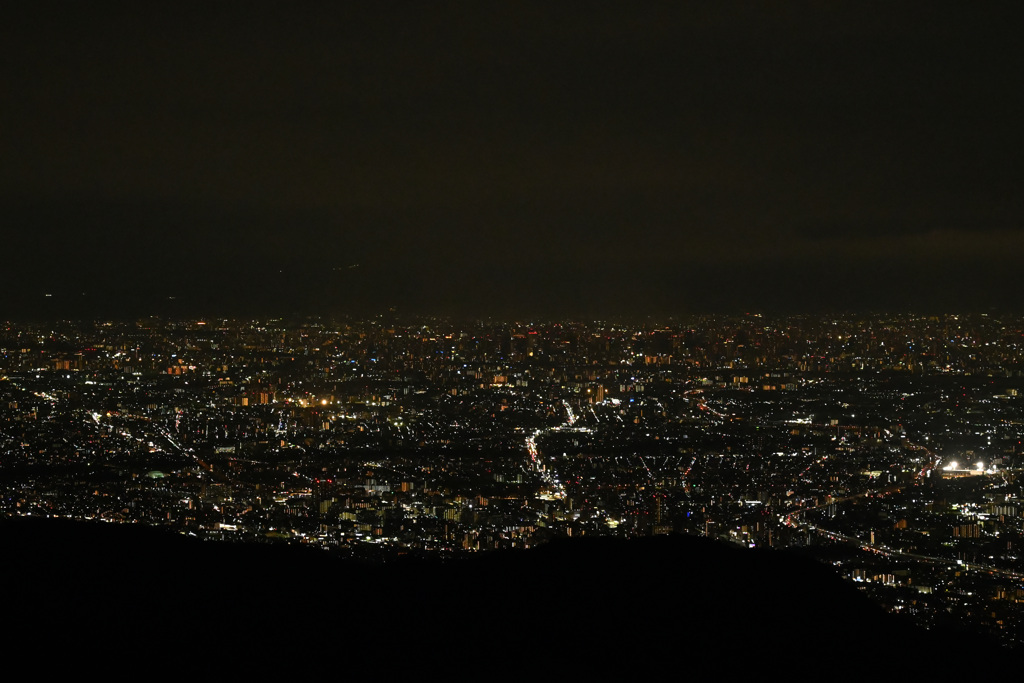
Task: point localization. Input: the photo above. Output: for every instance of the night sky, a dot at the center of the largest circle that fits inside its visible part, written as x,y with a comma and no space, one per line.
510,159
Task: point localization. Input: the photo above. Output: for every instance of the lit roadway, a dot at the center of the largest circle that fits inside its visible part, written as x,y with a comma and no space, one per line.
534,452
918,476
792,519
894,552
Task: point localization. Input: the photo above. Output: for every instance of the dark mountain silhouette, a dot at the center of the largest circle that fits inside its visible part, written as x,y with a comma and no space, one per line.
138,597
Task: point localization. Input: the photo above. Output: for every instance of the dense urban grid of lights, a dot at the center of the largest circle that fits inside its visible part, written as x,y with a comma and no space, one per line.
430,437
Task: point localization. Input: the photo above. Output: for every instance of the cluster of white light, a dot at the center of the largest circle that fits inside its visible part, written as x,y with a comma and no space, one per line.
978,467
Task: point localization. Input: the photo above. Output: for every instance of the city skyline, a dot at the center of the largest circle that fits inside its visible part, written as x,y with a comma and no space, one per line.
379,335
887,448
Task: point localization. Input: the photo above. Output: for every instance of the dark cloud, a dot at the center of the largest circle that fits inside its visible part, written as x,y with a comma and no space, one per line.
592,154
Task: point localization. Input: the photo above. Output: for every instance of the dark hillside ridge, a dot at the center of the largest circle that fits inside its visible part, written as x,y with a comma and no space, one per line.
575,606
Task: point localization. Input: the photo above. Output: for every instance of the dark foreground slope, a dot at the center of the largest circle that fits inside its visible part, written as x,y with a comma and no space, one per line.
78,594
